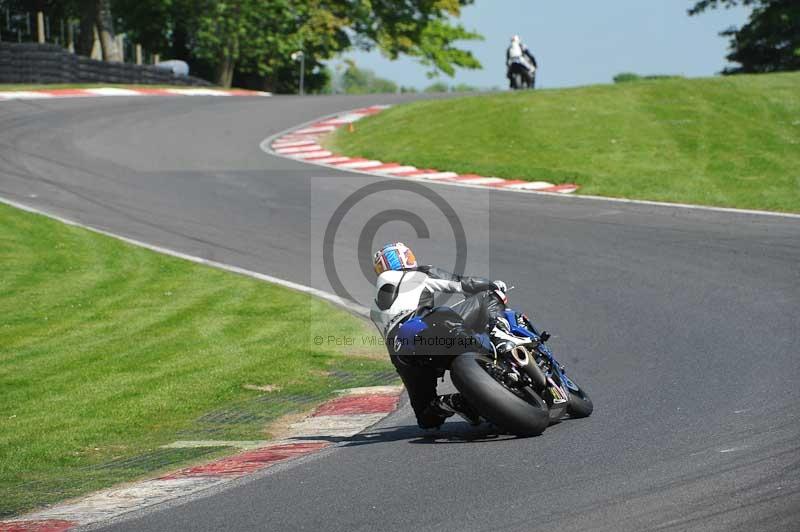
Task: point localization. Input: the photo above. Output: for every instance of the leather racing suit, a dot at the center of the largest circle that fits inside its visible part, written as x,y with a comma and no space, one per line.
450,331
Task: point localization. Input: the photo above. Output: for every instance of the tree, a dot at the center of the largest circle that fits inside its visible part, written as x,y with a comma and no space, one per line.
105,29
439,86
355,80
768,42
257,37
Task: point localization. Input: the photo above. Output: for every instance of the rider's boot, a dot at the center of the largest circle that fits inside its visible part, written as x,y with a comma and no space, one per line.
454,404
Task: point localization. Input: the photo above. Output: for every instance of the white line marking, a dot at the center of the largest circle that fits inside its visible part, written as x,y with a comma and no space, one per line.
396,170
293,143
113,91
299,149
533,185
332,298
437,175
198,92
308,154
112,502
27,95
359,164
330,160
479,180
317,129
342,426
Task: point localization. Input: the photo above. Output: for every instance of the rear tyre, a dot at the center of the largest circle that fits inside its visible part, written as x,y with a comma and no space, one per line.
521,412
579,404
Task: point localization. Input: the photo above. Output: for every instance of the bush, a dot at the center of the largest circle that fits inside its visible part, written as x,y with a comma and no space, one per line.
624,77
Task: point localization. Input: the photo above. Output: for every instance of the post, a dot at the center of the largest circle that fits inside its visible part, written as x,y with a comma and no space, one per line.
156,59
120,38
40,26
138,54
71,36
302,73
302,57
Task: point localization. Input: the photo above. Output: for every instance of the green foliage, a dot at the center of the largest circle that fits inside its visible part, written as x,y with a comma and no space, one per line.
355,80
726,141
768,42
625,77
464,87
257,37
439,86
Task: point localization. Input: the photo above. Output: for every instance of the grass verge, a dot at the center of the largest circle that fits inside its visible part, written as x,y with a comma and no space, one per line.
727,141
108,351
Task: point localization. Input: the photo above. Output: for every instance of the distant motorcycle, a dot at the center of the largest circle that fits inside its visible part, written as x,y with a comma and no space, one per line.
521,74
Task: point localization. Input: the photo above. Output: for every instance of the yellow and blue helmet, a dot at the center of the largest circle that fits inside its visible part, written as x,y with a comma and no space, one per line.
396,256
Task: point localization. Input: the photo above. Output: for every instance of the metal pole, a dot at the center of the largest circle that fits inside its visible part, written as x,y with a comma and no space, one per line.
71,36
40,26
302,73
138,54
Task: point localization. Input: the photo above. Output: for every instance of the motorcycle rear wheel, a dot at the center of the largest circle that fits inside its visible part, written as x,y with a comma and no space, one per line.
521,412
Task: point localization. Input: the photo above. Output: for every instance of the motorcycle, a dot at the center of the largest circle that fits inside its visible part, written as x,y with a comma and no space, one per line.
521,74
522,388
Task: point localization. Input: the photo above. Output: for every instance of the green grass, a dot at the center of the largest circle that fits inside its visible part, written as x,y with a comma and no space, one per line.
727,141
108,351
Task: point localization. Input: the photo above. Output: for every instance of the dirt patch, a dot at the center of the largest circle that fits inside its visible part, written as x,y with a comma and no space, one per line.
262,387
281,427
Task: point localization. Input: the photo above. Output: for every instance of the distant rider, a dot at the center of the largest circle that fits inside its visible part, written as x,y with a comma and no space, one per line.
517,52
422,349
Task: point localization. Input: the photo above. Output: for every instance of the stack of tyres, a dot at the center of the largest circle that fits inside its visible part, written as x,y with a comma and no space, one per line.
48,63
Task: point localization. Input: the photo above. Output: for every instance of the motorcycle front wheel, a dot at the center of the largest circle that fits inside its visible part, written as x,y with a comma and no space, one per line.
580,405
519,411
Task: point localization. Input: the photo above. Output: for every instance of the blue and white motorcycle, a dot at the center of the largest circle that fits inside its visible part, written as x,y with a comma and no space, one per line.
521,388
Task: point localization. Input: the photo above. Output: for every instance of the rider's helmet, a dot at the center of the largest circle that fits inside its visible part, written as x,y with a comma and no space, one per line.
396,256
515,39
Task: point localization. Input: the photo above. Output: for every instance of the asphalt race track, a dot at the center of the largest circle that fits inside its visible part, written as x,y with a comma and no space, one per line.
682,325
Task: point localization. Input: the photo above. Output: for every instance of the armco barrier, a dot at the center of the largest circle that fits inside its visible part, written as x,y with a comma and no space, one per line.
48,63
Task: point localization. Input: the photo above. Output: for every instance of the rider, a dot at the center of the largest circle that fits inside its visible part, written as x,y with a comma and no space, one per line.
421,349
518,52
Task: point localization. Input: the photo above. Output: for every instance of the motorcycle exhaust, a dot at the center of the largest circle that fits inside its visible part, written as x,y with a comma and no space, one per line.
520,356
523,359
